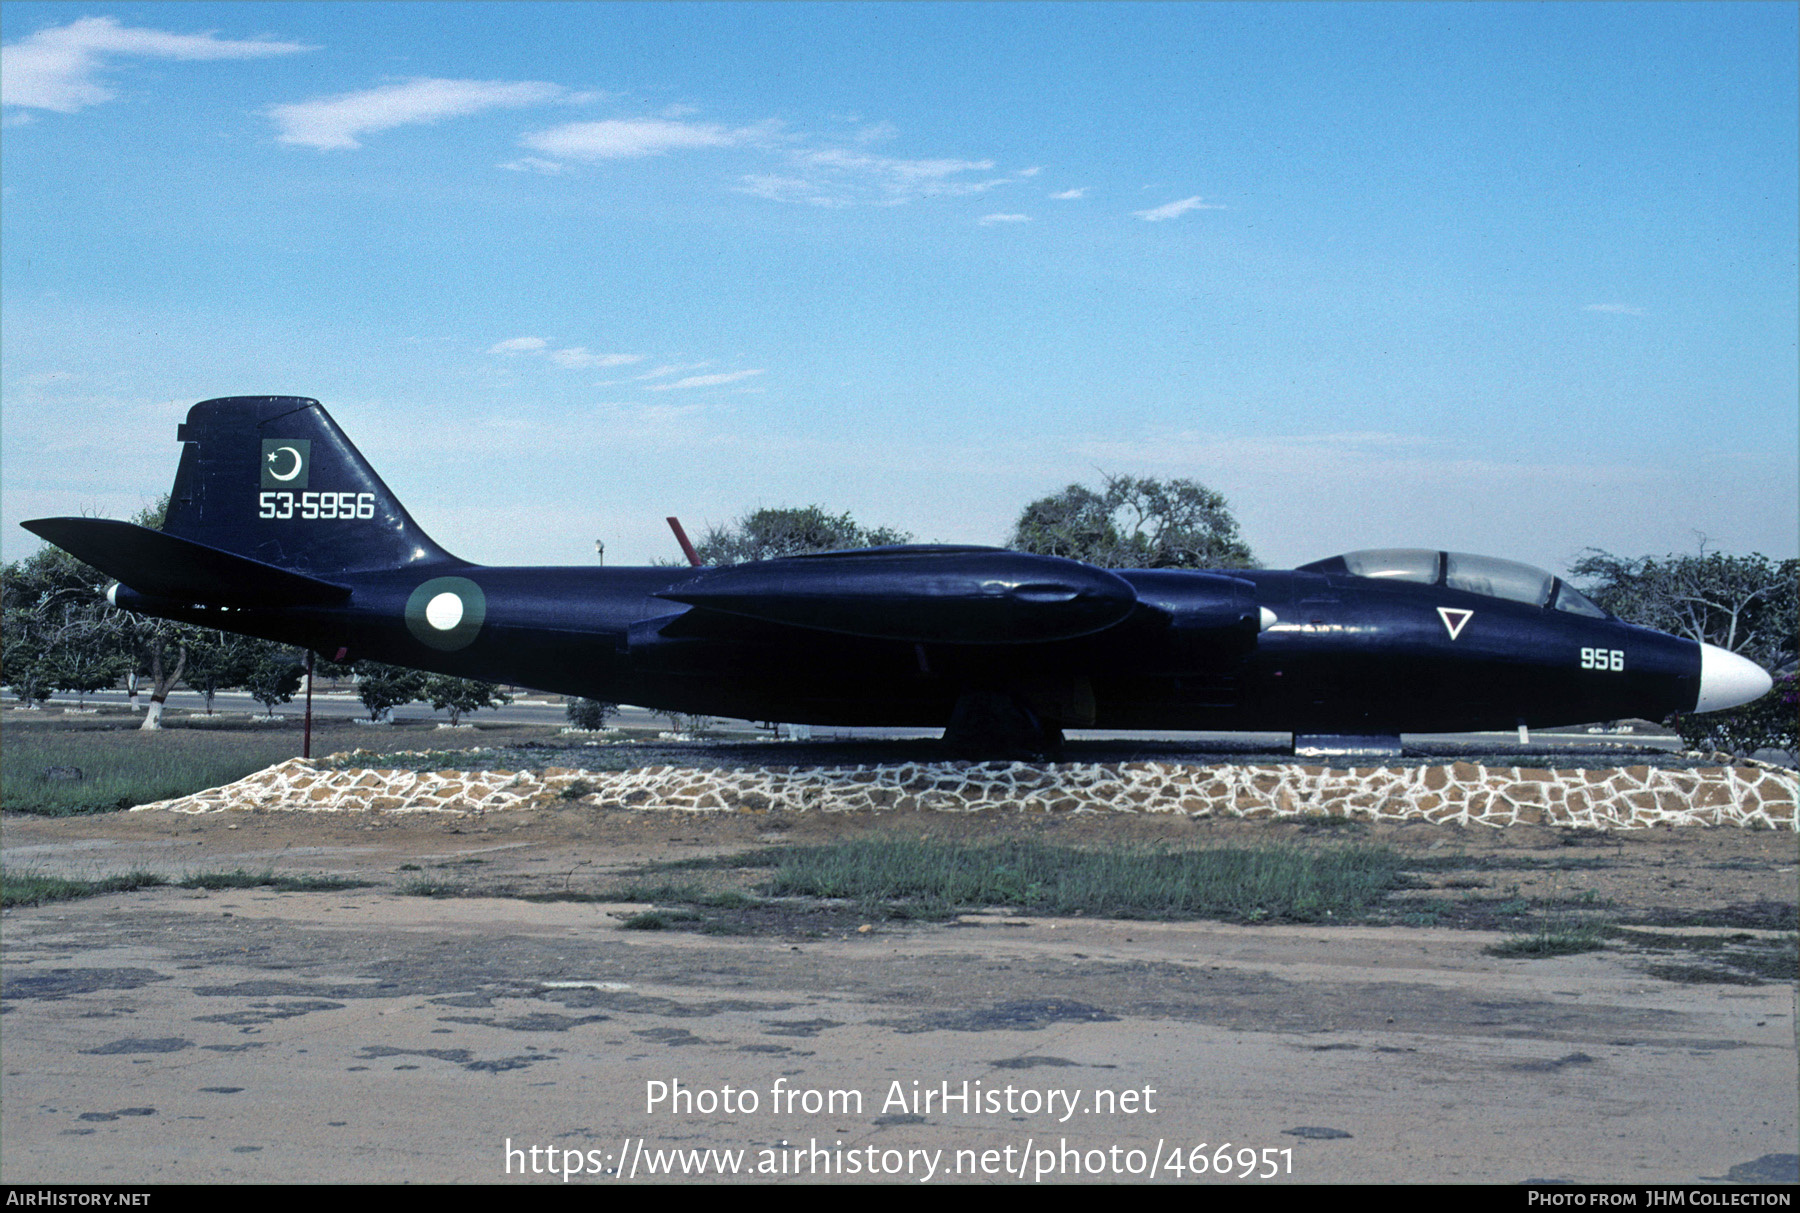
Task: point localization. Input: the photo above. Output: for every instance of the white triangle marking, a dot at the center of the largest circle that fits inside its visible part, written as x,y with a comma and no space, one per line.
1455,619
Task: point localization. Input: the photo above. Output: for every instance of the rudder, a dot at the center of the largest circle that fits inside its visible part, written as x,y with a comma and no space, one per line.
273,478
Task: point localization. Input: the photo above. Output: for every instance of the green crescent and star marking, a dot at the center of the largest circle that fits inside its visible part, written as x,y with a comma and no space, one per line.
286,462
446,612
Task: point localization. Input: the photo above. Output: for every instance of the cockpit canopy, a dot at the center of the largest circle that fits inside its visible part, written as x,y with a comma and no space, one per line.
1487,575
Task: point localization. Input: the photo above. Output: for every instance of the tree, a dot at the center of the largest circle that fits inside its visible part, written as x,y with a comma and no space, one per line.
1135,523
26,639
1749,605
590,714
1746,604
160,636
768,534
27,656
61,633
688,724
137,632
218,661
86,667
459,695
383,688
274,676
1769,723
55,630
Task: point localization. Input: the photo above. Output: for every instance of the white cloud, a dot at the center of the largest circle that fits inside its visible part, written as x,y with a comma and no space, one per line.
662,414
533,164
777,188
705,380
914,173
1068,195
1616,309
1031,172
57,69
671,369
835,176
335,122
620,139
812,173
1170,210
578,356
574,357
987,220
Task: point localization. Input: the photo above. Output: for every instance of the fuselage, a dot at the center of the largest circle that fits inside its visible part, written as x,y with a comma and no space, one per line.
1342,654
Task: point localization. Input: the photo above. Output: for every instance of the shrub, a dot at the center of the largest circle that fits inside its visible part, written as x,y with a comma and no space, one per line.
591,714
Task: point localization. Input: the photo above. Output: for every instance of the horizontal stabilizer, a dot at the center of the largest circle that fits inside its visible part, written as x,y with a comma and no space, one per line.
164,566
920,594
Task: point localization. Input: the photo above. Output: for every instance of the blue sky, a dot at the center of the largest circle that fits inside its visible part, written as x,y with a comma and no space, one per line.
1499,278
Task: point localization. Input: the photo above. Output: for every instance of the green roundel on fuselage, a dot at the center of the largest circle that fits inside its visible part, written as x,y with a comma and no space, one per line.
446,612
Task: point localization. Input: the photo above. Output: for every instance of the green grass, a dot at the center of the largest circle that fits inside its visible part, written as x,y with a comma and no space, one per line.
478,758
34,888
123,767
907,878
761,857
1555,939
1325,823
1734,958
241,879
686,891
659,920
1509,863
425,886
1738,958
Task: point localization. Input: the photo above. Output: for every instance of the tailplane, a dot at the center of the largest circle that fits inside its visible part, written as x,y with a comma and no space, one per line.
273,479
180,570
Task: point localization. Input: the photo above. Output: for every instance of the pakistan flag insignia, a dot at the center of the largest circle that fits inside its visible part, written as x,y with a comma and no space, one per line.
286,462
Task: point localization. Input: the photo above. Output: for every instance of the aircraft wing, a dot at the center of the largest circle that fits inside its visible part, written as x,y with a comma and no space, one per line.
920,594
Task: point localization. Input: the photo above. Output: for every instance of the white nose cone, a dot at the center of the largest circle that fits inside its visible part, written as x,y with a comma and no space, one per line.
1726,680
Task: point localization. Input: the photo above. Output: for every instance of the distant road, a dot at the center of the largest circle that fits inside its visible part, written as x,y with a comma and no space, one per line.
536,712
525,711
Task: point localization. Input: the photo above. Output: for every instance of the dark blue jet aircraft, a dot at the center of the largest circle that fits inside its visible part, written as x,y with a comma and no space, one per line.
278,528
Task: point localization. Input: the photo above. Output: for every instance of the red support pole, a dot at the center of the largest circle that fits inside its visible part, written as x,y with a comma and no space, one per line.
687,549
306,740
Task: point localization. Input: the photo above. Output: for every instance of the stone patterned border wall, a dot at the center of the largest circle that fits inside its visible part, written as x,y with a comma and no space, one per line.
1463,793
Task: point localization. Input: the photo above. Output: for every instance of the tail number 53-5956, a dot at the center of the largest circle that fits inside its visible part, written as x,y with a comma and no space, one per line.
316,505
1603,659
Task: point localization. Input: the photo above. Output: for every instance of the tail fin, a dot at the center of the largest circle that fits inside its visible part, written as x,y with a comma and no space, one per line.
274,479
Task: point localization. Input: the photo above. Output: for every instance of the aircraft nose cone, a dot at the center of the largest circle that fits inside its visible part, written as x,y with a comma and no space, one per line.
1726,680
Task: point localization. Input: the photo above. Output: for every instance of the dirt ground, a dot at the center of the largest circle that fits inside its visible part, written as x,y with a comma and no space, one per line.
187,1035
1719,876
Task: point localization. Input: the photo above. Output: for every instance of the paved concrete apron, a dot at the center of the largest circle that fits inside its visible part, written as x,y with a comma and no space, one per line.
174,1036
